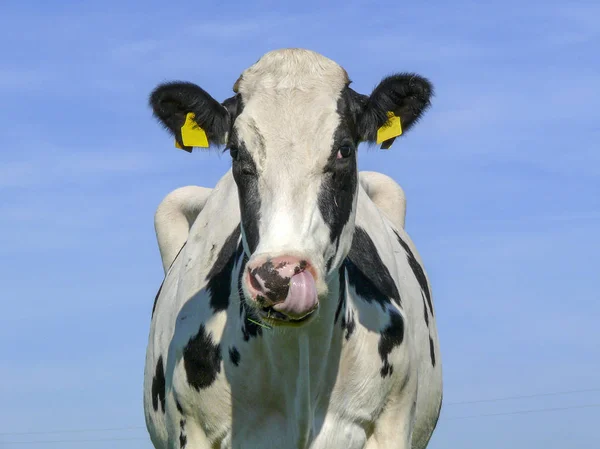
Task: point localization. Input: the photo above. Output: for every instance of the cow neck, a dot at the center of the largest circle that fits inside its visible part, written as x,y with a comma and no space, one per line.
305,360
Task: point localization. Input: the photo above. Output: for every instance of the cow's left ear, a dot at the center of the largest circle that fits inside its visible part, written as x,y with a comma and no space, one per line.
393,107
192,116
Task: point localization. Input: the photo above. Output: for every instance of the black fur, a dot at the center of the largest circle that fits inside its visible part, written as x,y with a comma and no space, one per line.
170,103
340,176
349,323
219,277
431,351
417,271
406,94
342,295
156,297
158,386
391,336
249,328
202,360
245,175
328,265
234,355
368,274
426,314
182,435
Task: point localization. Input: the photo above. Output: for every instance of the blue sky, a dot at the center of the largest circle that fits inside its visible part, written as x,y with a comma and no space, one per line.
502,178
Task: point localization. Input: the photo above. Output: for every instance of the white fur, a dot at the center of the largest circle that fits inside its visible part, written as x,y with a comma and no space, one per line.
174,217
295,147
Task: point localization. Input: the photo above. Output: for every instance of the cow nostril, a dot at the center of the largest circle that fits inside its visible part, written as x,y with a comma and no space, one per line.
254,282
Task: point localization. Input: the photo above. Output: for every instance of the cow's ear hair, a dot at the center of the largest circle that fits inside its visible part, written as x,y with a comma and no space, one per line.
172,101
407,95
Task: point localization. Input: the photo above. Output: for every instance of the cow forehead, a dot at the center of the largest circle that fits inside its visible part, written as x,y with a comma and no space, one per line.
290,102
296,70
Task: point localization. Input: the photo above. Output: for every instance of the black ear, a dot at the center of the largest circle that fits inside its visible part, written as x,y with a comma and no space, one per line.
171,102
407,95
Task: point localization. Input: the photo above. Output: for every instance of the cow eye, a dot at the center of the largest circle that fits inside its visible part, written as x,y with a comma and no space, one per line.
234,152
344,151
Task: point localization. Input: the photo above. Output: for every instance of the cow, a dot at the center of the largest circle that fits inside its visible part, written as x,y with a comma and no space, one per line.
295,311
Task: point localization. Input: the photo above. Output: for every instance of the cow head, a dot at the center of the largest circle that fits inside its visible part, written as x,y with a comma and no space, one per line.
292,130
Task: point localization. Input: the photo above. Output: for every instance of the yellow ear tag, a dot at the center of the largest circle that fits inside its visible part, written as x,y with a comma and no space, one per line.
390,130
191,134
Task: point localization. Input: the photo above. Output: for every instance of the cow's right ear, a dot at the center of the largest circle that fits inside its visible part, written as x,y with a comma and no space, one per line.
176,104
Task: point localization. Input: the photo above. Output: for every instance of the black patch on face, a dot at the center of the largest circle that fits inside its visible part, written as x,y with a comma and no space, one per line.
249,328
234,355
219,277
368,274
391,336
182,435
158,386
202,360
431,351
340,176
417,270
277,286
163,282
245,175
179,408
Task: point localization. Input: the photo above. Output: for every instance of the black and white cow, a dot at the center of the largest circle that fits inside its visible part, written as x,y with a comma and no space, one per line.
295,311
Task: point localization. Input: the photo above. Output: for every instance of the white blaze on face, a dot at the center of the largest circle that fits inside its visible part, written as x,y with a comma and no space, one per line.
289,118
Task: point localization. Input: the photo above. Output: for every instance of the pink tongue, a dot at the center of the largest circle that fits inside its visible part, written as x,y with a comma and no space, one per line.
301,298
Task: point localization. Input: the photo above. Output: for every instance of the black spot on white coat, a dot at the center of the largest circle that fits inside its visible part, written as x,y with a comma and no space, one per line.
431,351
234,355
182,435
219,276
342,293
417,270
426,314
391,336
368,274
158,386
202,359
349,323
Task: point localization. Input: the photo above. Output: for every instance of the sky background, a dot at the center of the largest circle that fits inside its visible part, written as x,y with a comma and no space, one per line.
502,178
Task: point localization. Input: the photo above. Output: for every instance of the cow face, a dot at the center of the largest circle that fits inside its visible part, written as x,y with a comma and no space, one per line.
292,131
